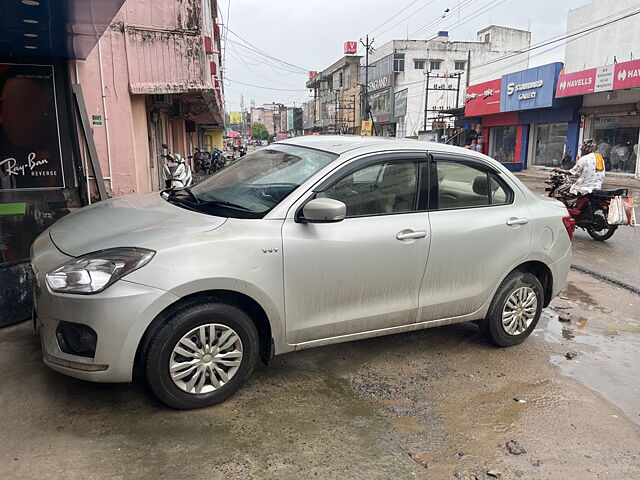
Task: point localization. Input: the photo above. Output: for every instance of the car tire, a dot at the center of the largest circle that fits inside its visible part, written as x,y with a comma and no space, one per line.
515,310
201,355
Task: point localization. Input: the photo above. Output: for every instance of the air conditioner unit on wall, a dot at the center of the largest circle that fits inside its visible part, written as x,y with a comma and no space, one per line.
162,100
177,108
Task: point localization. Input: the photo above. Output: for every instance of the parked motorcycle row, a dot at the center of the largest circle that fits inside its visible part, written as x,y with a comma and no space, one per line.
177,171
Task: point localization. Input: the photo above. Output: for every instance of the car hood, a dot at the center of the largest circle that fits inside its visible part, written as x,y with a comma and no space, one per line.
141,220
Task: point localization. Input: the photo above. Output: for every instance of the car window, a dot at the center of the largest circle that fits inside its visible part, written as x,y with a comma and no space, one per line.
387,187
461,185
500,193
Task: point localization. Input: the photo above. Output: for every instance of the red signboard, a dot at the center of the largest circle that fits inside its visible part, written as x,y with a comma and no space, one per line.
350,47
483,98
576,83
312,73
626,74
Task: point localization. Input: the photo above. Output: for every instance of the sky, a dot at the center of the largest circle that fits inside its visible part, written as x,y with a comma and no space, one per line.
309,35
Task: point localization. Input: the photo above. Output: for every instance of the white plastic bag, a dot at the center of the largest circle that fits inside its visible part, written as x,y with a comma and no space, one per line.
617,214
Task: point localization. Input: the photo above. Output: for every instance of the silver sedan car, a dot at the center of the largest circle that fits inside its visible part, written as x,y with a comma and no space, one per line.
307,242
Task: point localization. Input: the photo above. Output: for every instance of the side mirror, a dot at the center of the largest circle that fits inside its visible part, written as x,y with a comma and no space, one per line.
324,210
165,146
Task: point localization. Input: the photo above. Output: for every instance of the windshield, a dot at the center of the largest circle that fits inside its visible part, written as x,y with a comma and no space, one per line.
254,184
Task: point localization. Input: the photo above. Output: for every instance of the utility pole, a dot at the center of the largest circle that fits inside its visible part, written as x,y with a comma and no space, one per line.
426,104
458,90
367,46
468,70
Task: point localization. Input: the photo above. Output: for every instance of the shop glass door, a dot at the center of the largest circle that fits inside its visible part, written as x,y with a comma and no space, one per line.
548,144
502,143
617,139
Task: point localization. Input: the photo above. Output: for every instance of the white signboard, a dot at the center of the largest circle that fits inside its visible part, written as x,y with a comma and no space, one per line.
604,79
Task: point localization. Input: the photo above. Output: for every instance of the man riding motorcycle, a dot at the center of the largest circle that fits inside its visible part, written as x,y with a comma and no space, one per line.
589,169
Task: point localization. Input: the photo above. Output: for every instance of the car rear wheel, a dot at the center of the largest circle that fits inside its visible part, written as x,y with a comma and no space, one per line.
515,310
202,355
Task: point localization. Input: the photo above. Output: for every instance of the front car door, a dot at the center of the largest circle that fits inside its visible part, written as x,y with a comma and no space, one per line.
481,229
364,272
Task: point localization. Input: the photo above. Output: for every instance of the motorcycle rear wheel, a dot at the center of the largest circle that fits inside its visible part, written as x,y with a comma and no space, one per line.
602,234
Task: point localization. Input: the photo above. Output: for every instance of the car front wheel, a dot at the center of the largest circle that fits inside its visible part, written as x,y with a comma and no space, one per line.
203,354
515,310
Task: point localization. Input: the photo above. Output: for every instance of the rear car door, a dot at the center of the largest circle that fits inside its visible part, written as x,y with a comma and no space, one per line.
481,228
364,272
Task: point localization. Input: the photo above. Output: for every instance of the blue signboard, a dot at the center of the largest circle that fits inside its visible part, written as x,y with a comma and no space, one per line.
531,88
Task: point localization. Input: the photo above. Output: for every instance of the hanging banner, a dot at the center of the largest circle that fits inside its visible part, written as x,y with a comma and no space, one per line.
30,152
235,117
400,103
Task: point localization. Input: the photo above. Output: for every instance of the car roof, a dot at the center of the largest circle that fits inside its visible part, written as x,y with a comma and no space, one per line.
340,144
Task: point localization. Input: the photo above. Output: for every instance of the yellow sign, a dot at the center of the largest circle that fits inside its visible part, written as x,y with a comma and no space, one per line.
235,117
367,127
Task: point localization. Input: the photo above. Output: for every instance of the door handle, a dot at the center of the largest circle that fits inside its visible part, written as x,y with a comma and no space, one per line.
410,234
517,221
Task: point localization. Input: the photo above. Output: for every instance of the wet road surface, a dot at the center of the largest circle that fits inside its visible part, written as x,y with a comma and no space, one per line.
618,257
434,404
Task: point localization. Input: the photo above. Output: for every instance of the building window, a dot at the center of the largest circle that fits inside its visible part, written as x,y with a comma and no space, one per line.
435,64
398,62
460,65
487,38
419,64
340,78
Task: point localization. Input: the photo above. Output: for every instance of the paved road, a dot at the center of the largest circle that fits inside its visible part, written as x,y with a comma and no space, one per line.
618,257
434,404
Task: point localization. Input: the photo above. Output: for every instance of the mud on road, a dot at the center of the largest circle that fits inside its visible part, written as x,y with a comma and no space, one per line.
437,404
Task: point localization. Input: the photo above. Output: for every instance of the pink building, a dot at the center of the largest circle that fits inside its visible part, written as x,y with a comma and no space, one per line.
149,71
153,78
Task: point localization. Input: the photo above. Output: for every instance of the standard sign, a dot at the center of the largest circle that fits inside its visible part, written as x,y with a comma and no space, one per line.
527,89
531,88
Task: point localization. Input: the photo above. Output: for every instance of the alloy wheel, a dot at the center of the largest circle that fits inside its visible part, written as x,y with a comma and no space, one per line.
519,310
205,358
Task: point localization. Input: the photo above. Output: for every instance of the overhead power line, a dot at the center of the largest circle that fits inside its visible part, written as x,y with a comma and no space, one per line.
262,52
266,88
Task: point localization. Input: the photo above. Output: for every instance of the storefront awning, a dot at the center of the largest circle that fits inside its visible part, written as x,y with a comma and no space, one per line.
59,28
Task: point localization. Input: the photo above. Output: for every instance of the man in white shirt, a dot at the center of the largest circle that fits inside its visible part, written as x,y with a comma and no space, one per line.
589,169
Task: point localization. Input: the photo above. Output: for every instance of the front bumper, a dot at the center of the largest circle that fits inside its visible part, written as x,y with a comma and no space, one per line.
119,316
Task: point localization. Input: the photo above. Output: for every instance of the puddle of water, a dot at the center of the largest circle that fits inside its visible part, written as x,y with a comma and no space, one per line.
605,363
577,294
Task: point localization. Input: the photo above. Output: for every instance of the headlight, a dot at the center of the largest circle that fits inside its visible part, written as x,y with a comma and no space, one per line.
94,272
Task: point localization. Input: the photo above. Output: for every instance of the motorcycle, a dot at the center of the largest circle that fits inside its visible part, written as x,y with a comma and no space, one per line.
218,160
201,160
589,211
177,172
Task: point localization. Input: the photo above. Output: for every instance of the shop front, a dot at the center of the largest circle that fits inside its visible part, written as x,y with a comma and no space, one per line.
550,126
499,135
610,111
39,142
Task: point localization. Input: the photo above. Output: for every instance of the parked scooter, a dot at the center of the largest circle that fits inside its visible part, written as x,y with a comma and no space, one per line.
589,211
177,172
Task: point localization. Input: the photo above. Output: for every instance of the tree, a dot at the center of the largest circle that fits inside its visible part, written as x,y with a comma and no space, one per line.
259,131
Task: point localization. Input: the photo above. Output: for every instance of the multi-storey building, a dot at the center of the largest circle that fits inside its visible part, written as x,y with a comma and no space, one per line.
336,97
407,77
